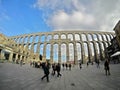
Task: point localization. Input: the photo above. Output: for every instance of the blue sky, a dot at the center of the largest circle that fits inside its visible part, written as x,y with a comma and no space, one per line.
29,16
19,17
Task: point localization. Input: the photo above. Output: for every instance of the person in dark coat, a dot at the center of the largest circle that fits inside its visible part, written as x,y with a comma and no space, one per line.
107,68
69,66
87,63
45,67
58,70
53,69
63,66
80,65
66,65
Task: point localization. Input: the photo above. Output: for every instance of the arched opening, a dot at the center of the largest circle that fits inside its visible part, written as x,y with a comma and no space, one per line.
86,51
100,37
41,49
70,36
108,38
55,53
77,37
63,36
63,53
83,37
36,39
26,40
49,37
92,51
95,37
104,37
55,36
78,46
90,37
48,49
71,52
29,46
31,39
43,38
35,48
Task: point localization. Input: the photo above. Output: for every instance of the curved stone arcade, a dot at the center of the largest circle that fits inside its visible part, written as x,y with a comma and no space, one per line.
68,45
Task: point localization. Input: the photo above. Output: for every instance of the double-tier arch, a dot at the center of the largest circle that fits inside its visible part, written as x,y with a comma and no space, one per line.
78,45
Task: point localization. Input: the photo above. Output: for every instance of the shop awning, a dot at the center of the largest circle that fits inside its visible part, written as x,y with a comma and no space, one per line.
115,54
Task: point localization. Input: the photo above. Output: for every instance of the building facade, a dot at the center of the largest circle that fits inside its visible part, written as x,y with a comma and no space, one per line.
117,32
9,52
112,52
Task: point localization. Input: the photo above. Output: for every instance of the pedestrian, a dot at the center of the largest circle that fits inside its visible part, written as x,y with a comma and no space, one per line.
80,65
63,66
58,68
98,64
66,66
53,69
45,67
106,67
69,66
87,63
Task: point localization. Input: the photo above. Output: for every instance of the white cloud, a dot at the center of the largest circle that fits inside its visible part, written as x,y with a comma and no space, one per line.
74,20
101,15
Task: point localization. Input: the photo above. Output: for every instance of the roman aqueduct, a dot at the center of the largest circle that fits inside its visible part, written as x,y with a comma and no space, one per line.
65,46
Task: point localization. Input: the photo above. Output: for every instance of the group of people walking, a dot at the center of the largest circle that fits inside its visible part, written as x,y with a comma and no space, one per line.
67,66
56,68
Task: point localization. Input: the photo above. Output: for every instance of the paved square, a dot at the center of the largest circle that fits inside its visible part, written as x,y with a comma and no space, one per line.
15,77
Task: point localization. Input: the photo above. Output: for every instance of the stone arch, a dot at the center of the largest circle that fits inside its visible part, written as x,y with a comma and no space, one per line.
84,38
25,40
55,52
70,36
92,51
43,38
77,37
86,55
112,36
63,52
107,36
56,36
79,50
49,37
89,36
71,52
95,37
104,36
100,37
95,51
63,36
17,40
35,48
36,40
48,49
